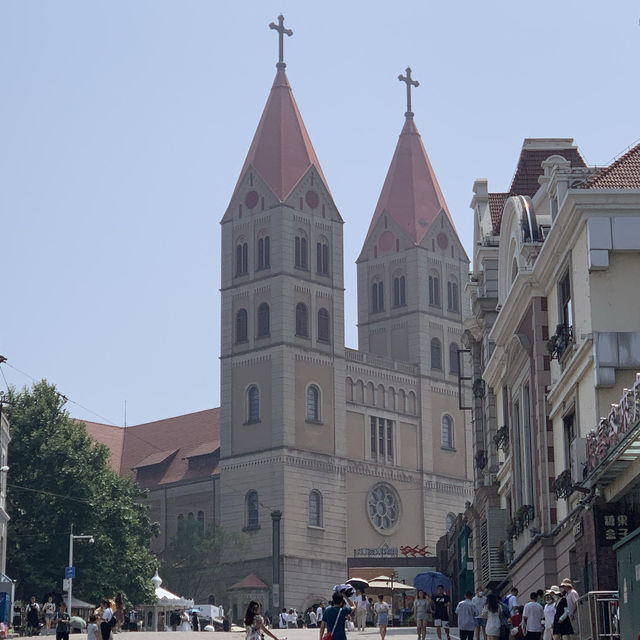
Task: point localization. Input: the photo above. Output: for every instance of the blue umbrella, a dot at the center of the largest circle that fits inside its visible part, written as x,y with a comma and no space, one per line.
429,581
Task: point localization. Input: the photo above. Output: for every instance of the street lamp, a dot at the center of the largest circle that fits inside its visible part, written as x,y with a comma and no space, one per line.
70,578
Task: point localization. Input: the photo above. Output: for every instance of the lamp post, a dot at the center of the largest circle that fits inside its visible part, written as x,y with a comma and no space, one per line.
70,578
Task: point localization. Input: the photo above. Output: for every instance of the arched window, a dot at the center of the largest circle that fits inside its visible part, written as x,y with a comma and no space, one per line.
322,257
391,395
302,320
253,404
381,397
251,509
434,290
242,258
201,522
242,325
447,432
323,325
264,252
402,401
349,390
263,320
399,292
371,394
452,296
436,354
301,256
411,402
315,509
313,403
453,358
377,297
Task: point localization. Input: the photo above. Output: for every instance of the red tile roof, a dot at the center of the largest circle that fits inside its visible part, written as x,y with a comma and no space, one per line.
249,582
411,193
623,173
496,206
281,150
143,447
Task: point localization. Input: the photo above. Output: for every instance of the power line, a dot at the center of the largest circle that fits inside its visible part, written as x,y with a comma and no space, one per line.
49,493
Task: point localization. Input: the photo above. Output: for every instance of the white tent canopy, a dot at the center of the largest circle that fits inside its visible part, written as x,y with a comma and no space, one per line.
166,601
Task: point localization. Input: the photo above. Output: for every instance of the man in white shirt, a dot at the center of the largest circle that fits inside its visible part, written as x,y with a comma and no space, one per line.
479,600
512,602
532,617
466,613
319,614
282,619
361,611
571,595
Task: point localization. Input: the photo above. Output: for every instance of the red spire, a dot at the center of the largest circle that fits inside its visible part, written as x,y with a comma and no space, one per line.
411,194
281,150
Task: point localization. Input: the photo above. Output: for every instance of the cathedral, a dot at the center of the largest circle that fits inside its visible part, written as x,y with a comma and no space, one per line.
321,454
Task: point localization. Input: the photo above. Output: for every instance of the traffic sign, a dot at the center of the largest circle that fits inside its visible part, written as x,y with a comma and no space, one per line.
70,572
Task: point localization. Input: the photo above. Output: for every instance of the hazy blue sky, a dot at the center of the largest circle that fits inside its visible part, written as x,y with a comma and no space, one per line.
124,125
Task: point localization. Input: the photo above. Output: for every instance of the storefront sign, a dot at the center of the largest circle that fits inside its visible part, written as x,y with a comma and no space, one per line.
383,551
612,526
412,552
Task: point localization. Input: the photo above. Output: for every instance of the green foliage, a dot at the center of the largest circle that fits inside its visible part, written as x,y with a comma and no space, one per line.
192,564
50,452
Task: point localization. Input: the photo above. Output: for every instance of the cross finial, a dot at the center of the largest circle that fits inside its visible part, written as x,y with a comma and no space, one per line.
281,33
407,79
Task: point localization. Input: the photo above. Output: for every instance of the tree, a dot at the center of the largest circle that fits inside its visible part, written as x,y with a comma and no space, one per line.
193,566
58,477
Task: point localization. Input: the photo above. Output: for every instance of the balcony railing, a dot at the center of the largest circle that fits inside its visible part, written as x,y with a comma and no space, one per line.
502,438
563,487
621,423
560,341
522,518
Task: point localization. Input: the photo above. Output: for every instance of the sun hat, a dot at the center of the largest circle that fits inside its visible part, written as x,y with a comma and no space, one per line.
553,589
566,583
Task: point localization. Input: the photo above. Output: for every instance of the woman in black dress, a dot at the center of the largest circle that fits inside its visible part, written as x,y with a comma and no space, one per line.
562,627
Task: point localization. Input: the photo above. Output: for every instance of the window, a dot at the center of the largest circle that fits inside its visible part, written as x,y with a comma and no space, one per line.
263,320
242,325
322,258
453,358
452,296
242,259
447,432
434,290
323,325
315,509
264,253
382,438
399,294
377,297
383,507
436,354
313,403
251,508
564,291
253,404
569,435
301,252
302,320
201,522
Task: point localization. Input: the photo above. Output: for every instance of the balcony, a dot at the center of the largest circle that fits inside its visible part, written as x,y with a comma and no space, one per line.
560,341
522,518
502,439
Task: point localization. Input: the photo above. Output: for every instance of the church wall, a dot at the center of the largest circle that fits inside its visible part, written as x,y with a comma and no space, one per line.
408,445
452,463
355,435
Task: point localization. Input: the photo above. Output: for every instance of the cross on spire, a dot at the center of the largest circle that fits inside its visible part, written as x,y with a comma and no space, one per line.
408,81
281,33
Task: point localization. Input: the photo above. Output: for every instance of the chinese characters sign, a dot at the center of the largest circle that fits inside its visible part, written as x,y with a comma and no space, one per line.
613,527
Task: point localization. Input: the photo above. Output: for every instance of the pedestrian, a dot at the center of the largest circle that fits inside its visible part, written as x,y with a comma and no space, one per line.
572,596
442,611
161,621
282,619
92,628
312,619
49,610
512,601
63,622
493,613
107,619
119,612
361,610
420,605
319,614
254,623
299,621
194,620
33,617
532,617
291,619
335,616
185,625
479,601
562,627
540,594
549,611
381,609
466,612
516,624
371,616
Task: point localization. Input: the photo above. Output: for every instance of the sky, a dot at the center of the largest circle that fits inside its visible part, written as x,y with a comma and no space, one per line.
124,125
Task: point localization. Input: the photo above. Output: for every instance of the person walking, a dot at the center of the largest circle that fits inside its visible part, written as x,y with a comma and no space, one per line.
493,614
63,623
466,612
442,611
335,616
49,610
532,617
312,619
566,586
254,623
479,601
562,627
549,611
361,610
381,609
319,612
106,621
420,612
512,601
33,617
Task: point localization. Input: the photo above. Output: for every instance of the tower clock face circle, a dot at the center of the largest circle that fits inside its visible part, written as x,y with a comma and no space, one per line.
443,241
251,199
383,508
312,199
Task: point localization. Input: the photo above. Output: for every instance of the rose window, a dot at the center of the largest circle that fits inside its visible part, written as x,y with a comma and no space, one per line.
383,507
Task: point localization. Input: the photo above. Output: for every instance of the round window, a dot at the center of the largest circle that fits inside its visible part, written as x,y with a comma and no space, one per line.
383,508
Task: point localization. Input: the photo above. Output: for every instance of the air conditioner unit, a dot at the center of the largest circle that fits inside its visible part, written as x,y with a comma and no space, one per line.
578,458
